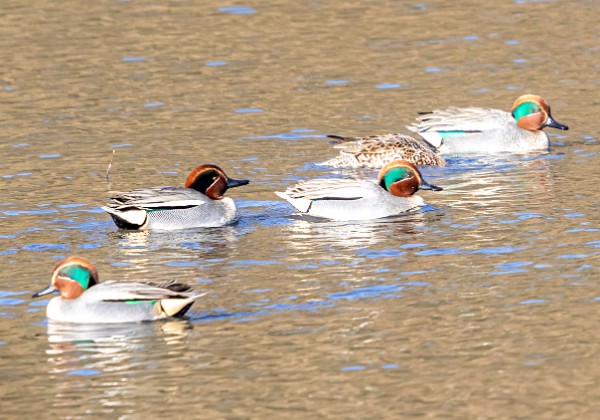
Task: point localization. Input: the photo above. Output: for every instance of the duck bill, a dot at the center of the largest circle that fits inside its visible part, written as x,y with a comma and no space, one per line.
551,122
427,186
46,291
231,183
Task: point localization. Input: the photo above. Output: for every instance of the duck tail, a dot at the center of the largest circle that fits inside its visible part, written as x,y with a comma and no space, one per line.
129,219
177,307
335,139
301,204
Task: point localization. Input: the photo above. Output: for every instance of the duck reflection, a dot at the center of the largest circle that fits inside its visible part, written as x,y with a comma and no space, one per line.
495,185
217,241
305,232
112,343
107,360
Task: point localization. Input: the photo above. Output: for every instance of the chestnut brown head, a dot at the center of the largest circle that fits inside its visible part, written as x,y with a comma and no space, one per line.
533,113
211,181
71,277
403,179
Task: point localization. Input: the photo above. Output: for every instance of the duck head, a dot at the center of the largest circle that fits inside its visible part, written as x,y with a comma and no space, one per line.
403,179
211,181
533,113
71,277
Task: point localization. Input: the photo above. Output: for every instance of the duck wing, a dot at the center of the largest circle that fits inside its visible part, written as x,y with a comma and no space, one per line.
331,189
125,291
157,198
461,119
378,143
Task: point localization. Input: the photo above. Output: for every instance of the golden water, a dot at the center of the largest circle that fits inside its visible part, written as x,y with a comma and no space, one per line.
485,306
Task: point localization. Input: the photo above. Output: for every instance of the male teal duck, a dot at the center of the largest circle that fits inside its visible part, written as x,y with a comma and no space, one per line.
83,300
485,130
357,199
200,203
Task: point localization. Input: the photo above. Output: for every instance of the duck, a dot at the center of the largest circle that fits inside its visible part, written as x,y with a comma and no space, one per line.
376,151
347,199
200,203
455,130
84,300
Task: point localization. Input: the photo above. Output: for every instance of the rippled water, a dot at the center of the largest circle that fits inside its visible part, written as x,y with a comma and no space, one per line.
483,305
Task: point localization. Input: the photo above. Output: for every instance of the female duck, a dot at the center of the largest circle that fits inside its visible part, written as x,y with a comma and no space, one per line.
83,300
475,130
376,151
199,204
354,199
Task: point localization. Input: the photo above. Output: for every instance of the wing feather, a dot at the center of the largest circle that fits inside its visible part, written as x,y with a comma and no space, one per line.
330,189
461,119
124,291
158,197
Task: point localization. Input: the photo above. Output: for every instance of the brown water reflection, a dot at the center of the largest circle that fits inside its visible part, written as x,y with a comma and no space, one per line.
482,306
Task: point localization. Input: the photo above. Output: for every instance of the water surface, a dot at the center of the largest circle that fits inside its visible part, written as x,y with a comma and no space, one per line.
483,305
